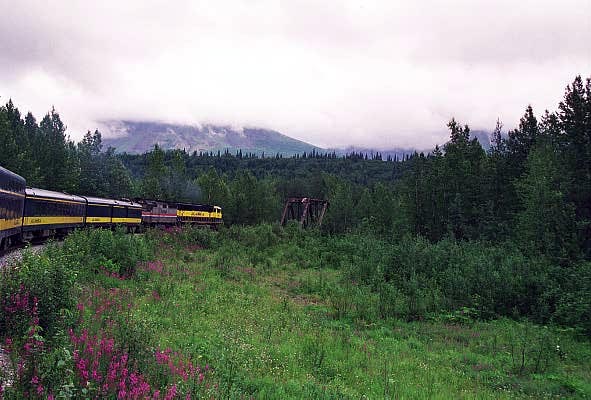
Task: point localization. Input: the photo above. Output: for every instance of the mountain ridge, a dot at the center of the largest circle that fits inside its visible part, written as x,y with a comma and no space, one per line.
137,137
141,136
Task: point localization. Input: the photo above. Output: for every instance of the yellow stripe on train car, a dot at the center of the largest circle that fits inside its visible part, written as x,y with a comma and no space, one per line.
28,221
10,223
193,214
127,220
98,220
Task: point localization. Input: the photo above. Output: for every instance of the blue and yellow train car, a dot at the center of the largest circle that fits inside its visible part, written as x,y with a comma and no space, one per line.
12,201
102,212
128,214
49,213
204,214
99,212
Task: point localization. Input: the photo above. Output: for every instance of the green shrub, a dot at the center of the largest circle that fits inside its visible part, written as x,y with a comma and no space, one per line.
102,249
258,237
46,277
573,306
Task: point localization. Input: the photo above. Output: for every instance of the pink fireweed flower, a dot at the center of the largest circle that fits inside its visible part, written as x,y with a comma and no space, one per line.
170,393
161,357
8,345
96,376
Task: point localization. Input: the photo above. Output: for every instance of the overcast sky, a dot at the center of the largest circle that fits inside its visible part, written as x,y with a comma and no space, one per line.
333,73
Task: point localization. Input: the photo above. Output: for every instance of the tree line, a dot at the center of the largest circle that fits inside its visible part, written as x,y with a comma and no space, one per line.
46,157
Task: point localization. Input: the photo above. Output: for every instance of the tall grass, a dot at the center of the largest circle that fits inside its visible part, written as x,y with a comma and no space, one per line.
268,312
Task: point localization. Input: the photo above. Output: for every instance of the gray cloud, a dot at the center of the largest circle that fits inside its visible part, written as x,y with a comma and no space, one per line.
377,73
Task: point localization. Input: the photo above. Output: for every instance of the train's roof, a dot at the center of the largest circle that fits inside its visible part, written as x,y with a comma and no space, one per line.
195,205
36,192
128,203
154,202
4,173
100,200
111,202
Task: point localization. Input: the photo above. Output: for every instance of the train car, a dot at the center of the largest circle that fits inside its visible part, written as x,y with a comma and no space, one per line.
99,212
49,213
199,214
158,213
12,201
128,214
105,213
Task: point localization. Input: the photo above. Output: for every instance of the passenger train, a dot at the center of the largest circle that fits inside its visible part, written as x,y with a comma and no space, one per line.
30,213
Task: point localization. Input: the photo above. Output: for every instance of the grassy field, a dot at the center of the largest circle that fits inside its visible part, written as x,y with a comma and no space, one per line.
267,325
261,313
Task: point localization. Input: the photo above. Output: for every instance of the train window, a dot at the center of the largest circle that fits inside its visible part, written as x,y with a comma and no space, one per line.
33,207
119,212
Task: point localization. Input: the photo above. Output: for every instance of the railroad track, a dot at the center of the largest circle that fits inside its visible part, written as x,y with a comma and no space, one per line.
14,254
